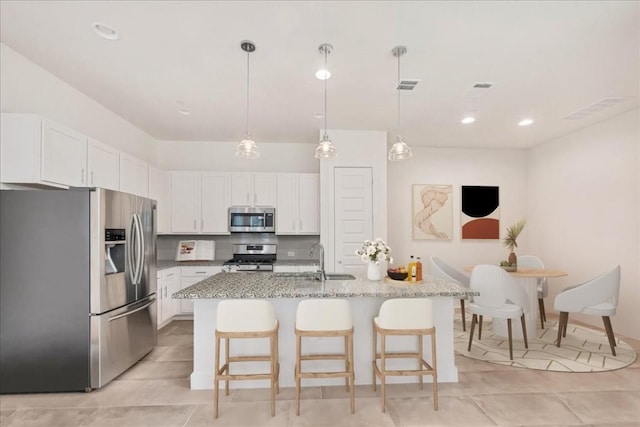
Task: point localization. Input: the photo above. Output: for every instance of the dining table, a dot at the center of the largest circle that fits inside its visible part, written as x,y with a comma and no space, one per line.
528,279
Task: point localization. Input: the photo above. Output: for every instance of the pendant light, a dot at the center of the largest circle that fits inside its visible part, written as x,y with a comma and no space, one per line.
399,150
325,149
247,148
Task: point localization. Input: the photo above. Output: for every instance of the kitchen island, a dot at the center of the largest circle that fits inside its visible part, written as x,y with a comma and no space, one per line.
285,292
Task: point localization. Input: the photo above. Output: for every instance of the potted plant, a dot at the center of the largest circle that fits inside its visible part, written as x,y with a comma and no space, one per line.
510,242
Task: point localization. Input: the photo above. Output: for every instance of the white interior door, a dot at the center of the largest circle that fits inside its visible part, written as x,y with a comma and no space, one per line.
353,216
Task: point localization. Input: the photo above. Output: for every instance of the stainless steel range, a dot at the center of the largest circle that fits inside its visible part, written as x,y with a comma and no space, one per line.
251,257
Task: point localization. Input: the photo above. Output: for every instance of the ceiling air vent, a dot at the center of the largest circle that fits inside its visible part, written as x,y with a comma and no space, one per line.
594,108
408,84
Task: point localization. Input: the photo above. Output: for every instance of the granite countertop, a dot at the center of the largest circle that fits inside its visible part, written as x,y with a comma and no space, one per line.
270,285
296,262
165,264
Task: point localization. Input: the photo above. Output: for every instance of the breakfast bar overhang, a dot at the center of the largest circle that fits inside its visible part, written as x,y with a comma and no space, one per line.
285,293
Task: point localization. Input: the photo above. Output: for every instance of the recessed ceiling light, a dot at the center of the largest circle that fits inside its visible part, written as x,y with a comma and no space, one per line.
105,31
467,120
318,116
525,122
323,74
184,111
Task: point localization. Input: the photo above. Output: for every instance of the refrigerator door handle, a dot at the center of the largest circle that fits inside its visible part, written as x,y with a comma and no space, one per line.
129,313
130,250
140,248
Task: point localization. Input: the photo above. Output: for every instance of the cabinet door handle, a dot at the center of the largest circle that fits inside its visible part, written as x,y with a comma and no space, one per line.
200,272
82,175
255,198
91,177
195,224
202,224
165,291
300,225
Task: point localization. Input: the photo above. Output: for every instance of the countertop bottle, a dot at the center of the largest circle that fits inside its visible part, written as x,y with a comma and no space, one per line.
418,270
411,269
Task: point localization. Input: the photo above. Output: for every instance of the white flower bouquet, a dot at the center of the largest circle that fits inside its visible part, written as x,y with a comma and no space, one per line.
375,250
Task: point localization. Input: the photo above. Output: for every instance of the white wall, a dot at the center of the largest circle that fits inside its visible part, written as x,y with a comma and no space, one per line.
583,209
28,88
220,156
449,166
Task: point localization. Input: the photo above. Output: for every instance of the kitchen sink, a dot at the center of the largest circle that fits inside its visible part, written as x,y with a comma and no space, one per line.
339,276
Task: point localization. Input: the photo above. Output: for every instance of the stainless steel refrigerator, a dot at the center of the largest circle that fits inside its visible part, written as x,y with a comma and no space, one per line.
77,287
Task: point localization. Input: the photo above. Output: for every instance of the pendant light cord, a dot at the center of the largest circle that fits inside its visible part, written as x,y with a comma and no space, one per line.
325,92
398,89
247,121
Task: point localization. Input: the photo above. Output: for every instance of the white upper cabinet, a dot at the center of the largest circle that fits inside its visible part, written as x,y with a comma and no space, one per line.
160,191
200,202
253,189
134,175
36,150
103,165
215,200
297,207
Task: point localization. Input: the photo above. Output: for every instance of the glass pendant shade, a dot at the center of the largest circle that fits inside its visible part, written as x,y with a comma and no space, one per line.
247,149
400,150
325,149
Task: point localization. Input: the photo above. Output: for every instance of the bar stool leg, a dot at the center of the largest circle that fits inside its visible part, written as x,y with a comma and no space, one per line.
298,363
420,358
346,360
383,369
272,341
215,379
434,365
375,356
352,377
277,364
226,360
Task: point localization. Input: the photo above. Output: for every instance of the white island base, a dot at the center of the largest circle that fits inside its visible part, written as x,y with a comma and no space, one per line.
363,309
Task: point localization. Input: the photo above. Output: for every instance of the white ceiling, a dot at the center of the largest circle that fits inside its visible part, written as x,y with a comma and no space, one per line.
546,59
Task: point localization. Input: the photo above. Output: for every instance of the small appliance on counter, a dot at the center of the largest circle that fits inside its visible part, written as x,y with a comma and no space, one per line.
255,257
196,250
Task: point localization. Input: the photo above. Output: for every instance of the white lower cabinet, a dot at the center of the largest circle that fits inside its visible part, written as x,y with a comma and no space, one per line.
168,283
190,276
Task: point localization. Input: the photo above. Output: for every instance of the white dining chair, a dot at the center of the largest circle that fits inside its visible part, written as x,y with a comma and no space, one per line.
500,296
532,261
598,297
442,270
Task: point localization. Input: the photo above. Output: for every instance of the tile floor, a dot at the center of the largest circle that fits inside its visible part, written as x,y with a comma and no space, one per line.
155,392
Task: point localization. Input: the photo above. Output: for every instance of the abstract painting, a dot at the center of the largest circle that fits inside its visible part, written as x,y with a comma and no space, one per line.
432,212
480,217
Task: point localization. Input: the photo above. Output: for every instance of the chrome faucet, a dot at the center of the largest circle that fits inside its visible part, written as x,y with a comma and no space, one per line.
321,258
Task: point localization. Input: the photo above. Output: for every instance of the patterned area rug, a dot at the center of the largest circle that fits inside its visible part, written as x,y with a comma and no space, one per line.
583,350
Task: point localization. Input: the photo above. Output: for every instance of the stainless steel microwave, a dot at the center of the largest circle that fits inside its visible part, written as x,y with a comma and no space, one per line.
252,220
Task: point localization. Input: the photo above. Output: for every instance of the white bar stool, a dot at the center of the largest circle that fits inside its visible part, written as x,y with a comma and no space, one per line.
325,318
405,316
243,319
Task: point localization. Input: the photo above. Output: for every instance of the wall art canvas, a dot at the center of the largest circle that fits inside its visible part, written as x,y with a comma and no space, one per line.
480,217
432,212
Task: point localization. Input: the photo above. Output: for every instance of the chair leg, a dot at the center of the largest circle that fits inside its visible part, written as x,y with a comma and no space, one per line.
524,331
353,376
464,320
566,323
383,369
610,336
215,379
510,341
375,357
480,328
226,360
273,376
561,321
346,360
542,315
544,311
420,357
474,319
298,363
